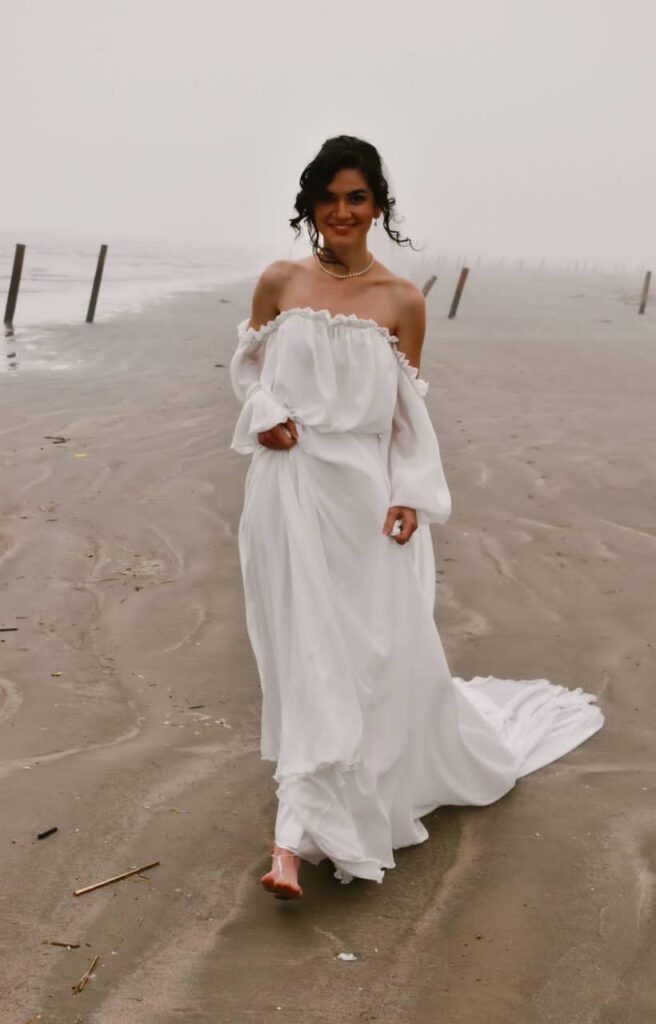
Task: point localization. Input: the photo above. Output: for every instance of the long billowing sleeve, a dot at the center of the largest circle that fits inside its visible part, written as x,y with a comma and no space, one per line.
260,410
415,464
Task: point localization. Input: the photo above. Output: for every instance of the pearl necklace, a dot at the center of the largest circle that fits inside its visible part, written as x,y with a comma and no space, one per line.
342,277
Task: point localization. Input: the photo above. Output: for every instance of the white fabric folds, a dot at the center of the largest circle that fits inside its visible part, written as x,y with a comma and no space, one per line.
368,730
415,465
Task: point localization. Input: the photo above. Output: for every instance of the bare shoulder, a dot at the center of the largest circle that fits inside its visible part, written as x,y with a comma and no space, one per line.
410,316
411,300
276,274
271,283
407,300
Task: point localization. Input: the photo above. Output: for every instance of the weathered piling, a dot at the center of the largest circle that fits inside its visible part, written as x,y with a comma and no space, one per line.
457,295
428,284
645,292
14,285
91,312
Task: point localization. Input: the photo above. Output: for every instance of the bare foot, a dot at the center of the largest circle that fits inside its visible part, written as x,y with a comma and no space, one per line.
282,880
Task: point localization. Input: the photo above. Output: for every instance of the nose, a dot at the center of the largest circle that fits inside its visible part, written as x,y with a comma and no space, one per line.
342,211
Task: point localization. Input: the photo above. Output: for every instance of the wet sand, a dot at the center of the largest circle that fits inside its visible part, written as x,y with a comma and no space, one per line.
130,700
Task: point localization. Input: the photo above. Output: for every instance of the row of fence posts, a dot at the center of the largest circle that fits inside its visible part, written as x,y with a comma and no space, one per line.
464,273
14,285
19,257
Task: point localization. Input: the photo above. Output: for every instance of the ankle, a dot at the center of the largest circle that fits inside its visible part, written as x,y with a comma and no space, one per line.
282,851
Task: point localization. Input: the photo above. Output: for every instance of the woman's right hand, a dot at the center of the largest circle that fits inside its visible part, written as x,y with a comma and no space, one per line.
281,437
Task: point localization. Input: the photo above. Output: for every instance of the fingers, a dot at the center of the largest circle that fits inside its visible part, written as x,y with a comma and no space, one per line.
407,518
291,427
408,527
280,437
392,516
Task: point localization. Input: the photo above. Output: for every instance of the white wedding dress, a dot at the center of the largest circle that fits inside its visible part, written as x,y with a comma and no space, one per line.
368,729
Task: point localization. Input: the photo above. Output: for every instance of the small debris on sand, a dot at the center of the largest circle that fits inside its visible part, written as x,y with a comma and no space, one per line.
48,832
79,985
115,878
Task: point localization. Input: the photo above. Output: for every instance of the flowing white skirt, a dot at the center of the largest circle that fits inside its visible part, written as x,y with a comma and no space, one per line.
368,729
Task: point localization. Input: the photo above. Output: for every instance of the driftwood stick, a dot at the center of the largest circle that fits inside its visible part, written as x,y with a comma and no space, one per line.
115,878
48,832
79,985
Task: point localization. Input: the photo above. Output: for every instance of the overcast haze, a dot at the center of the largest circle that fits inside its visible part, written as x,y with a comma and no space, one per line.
522,129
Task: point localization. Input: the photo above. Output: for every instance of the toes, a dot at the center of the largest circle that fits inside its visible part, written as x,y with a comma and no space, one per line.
280,889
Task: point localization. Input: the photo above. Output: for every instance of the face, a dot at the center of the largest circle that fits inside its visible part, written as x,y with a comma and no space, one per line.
345,212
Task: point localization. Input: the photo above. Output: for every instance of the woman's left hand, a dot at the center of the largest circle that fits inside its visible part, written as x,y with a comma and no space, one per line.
408,519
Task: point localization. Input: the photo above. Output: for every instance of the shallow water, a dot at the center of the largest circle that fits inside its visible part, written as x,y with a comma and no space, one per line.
58,272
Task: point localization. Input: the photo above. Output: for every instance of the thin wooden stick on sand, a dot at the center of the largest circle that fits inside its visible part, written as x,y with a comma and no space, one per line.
79,985
115,878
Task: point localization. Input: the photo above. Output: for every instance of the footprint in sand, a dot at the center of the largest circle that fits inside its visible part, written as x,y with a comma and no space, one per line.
10,699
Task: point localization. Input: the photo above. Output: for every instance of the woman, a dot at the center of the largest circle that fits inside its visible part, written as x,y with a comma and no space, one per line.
367,727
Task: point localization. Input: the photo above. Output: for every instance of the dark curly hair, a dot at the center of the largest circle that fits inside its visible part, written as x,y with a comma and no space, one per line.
336,154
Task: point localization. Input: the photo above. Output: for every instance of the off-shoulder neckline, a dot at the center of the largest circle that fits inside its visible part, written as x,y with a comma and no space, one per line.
258,333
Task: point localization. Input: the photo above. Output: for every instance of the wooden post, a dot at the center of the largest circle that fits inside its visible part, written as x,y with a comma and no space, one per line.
16,272
645,292
429,284
458,292
91,312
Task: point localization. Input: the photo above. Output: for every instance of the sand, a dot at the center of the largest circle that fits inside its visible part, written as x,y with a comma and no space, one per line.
130,706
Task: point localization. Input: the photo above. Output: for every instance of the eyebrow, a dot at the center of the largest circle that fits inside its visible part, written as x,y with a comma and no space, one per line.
353,192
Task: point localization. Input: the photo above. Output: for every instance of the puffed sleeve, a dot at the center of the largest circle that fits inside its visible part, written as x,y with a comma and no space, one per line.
260,410
415,464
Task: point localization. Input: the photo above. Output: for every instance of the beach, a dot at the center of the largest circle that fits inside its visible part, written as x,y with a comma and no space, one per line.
129,697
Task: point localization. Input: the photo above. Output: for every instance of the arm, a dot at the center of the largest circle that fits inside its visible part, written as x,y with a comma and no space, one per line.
264,304
411,327
264,308
418,489
246,365
410,333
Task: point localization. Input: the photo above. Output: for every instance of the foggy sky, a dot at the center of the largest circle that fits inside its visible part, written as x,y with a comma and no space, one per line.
522,128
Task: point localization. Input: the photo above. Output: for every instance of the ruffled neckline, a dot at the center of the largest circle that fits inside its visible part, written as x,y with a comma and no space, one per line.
259,333
255,335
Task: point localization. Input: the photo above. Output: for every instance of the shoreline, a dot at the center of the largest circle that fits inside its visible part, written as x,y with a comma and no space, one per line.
614,292
37,345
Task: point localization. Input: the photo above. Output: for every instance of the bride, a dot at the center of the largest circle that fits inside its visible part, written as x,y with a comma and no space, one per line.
368,729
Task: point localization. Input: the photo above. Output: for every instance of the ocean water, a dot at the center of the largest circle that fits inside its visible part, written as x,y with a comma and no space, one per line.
58,273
